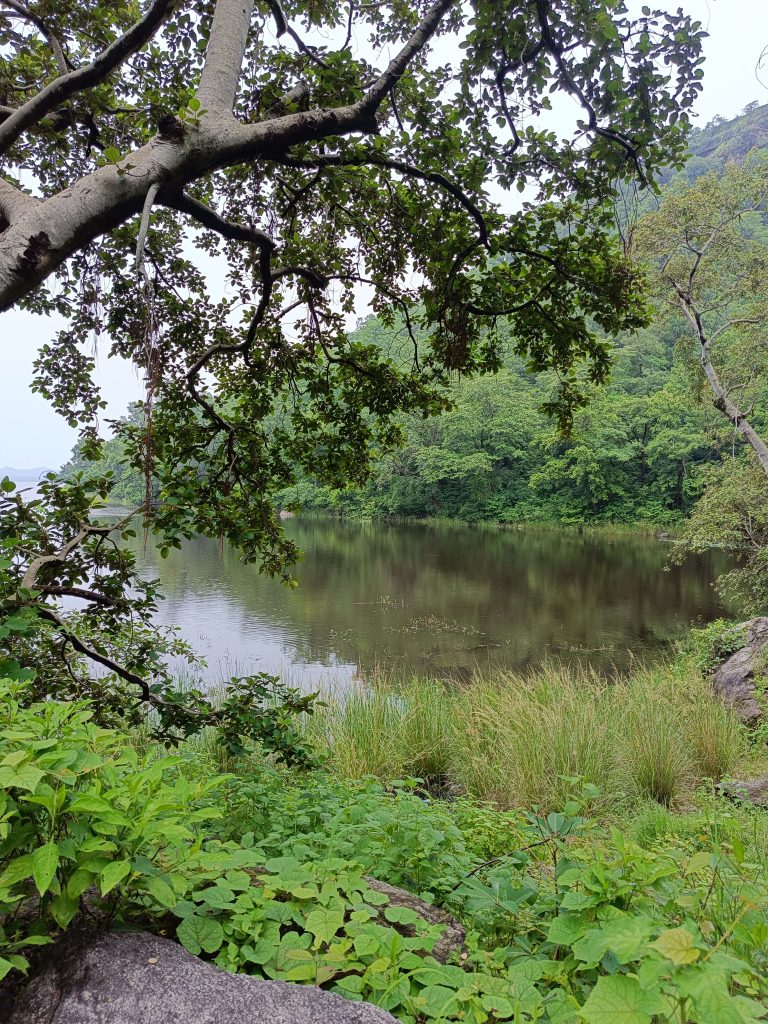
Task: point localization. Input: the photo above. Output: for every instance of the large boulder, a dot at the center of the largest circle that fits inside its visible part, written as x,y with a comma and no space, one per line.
131,977
734,680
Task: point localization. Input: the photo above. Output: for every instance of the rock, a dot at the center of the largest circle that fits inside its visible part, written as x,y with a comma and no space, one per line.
454,934
135,978
754,791
734,680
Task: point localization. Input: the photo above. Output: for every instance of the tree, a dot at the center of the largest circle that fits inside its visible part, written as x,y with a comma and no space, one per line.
708,252
709,256
129,138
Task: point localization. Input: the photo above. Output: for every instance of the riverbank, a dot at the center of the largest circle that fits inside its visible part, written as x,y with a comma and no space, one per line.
514,740
662,530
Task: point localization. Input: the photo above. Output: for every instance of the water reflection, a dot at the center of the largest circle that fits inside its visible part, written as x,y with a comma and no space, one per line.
437,599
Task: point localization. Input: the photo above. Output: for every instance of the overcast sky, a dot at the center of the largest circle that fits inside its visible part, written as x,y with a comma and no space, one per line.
32,435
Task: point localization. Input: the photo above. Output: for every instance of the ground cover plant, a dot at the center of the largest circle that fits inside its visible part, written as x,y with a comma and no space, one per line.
263,869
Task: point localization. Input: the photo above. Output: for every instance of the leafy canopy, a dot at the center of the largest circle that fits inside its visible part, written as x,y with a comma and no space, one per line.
321,152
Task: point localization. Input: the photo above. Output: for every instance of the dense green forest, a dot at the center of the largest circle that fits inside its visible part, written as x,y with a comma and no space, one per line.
637,452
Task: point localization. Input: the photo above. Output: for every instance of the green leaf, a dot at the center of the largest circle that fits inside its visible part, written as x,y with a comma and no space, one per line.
324,924
565,929
8,963
113,874
621,1000
676,944
402,915
45,860
24,777
161,891
436,1000
626,937
198,934
64,908
17,870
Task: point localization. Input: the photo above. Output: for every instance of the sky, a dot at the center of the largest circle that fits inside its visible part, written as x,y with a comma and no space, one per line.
32,435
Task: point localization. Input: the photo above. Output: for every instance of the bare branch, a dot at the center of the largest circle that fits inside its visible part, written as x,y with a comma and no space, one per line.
100,68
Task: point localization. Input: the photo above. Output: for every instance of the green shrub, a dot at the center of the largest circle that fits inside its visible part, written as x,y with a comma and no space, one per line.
82,814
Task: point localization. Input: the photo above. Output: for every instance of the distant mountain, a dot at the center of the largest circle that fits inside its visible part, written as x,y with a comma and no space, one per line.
24,476
722,142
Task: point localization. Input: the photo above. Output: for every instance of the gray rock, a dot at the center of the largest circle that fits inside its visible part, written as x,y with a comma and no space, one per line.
753,791
137,978
734,680
454,934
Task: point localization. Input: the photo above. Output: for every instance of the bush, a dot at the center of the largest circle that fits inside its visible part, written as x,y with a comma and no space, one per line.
83,816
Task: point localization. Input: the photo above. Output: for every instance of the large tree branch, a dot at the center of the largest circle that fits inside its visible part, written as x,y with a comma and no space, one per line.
397,66
13,202
401,167
65,86
209,218
224,54
556,51
29,582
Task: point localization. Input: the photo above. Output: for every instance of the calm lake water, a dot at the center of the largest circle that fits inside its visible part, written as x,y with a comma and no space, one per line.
432,599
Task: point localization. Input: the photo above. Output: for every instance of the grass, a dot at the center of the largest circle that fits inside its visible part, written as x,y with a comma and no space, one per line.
519,740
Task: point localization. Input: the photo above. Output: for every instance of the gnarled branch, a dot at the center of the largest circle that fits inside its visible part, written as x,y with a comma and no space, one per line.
100,68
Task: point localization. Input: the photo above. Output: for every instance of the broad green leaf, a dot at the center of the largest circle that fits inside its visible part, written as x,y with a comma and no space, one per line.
17,870
402,915
24,776
113,874
8,963
621,1000
161,891
64,908
197,934
45,860
437,1000
626,937
677,945
324,924
565,929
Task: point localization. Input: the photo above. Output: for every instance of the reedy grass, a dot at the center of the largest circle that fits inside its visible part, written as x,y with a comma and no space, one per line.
520,739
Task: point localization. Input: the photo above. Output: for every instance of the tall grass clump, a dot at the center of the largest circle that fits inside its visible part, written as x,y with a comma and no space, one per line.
386,730
519,739
516,740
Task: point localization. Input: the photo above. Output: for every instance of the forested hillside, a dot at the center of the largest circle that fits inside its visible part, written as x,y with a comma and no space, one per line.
637,452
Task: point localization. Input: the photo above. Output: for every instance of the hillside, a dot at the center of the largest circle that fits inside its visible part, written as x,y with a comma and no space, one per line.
724,141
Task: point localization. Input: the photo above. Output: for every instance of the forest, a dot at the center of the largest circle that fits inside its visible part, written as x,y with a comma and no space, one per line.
559,322
639,452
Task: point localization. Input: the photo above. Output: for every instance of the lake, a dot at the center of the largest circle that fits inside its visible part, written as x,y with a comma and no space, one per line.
436,599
